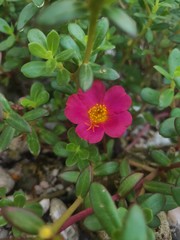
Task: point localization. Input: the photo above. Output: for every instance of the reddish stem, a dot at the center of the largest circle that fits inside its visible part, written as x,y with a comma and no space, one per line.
83,214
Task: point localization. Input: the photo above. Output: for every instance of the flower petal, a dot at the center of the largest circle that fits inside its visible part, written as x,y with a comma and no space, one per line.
88,134
75,110
94,95
117,100
117,124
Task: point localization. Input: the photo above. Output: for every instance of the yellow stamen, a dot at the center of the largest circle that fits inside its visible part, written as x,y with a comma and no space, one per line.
97,114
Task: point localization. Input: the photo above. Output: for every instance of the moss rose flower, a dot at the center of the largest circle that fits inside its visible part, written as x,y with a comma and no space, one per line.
98,111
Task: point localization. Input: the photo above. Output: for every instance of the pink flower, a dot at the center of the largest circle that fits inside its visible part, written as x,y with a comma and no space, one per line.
98,111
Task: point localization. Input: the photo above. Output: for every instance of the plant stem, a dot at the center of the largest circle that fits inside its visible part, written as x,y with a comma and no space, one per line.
140,165
83,214
58,223
91,35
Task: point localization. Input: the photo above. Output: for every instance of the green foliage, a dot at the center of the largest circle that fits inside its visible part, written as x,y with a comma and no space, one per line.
104,208
23,219
129,183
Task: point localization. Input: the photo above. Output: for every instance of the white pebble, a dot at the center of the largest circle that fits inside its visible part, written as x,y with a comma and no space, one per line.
45,203
6,180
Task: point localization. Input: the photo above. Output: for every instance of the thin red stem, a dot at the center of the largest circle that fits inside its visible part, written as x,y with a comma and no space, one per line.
83,214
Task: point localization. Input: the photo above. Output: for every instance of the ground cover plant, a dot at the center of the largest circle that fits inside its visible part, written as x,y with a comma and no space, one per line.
93,82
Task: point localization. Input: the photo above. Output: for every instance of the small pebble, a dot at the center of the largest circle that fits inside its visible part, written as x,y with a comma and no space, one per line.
164,231
57,208
38,189
6,180
44,184
45,203
55,172
59,187
3,233
174,222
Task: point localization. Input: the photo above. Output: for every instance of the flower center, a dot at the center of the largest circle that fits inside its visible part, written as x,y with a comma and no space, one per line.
98,114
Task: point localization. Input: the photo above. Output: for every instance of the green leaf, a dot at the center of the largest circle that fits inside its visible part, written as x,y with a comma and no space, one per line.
39,51
34,69
128,183
19,199
71,147
170,203
163,72
160,157
106,169
36,89
70,176
49,136
38,3
4,202
104,208
68,43
17,122
4,103
34,207
155,202
167,128
53,41
174,62
35,114
25,15
83,154
166,97
131,230
176,194
92,223
158,187
7,43
122,21
3,191
149,35
124,168
148,214
83,183
3,222
6,136
177,125
65,55
85,76
23,219
76,31
60,149
150,95
72,159
61,11
33,143
103,72
175,112
73,138
35,35
101,31
63,77
16,233
4,27
177,72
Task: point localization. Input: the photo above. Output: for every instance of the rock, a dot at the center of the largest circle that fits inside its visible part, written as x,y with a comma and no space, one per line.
103,235
44,184
3,233
57,208
45,204
174,222
164,231
6,180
